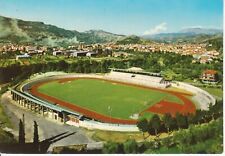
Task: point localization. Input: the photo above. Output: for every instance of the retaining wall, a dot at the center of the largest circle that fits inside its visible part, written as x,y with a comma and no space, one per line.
104,126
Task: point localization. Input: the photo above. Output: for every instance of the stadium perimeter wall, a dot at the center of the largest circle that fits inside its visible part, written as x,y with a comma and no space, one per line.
201,96
104,126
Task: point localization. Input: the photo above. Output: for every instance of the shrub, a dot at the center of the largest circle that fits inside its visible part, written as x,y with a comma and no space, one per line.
130,146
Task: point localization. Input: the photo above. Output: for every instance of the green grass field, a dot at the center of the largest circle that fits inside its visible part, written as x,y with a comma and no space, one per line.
214,91
98,95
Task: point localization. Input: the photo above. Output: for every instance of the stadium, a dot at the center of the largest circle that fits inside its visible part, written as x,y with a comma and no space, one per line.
113,101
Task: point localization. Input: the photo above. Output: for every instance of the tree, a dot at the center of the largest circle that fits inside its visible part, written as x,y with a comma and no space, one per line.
204,115
21,132
143,126
180,138
168,75
169,121
167,142
199,116
216,109
181,121
192,119
155,123
110,148
36,137
130,146
62,65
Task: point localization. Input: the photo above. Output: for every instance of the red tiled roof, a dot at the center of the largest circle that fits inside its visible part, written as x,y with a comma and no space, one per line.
212,72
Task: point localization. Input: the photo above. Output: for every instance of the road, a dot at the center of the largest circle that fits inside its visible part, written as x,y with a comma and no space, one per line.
47,128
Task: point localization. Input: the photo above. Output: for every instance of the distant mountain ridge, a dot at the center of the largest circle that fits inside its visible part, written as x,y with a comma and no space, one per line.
207,31
103,36
133,39
185,35
19,31
32,32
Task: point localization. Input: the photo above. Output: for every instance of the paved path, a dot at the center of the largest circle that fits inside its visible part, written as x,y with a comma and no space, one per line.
47,127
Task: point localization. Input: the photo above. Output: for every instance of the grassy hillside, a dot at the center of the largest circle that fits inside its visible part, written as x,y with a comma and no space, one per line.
216,43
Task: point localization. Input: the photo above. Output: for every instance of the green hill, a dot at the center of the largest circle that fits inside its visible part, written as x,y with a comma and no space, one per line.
214,43
19,31
133,40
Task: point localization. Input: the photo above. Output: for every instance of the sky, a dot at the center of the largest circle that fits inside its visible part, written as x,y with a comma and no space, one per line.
138,17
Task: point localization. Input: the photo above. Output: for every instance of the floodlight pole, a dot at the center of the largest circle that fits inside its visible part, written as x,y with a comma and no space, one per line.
109,108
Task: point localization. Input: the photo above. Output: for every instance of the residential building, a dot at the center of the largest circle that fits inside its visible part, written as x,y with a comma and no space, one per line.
25,56
209,76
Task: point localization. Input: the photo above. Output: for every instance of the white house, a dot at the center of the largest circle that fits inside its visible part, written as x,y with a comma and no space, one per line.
25,56
55,53
79,53
91,54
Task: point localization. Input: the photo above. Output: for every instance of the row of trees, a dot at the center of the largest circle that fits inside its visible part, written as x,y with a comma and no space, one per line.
174,66
203,138
157,125
16,72
168,123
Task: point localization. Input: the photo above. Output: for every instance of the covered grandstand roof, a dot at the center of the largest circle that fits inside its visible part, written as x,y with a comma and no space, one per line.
135,69
43,103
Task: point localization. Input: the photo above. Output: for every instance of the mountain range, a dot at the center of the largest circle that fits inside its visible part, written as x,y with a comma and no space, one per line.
20,31
198,30
186,35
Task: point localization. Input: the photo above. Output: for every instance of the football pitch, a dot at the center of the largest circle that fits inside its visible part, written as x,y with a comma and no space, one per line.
108,98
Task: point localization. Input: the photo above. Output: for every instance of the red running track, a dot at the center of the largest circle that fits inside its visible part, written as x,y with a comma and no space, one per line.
162,107
172,108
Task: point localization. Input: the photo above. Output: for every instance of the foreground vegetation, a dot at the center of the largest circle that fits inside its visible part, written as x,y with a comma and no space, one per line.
199,133
204,138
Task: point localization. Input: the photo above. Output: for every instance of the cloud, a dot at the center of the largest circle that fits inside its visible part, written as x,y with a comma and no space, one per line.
19,32
11,28
54,42
195,26
157,29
